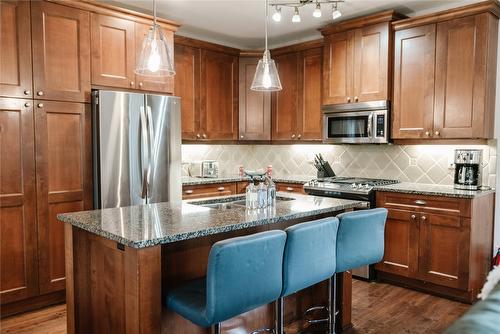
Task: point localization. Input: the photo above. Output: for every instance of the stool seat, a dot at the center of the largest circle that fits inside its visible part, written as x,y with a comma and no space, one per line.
243,273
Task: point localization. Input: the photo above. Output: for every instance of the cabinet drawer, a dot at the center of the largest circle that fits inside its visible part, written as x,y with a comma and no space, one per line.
432,204
290,187
208,190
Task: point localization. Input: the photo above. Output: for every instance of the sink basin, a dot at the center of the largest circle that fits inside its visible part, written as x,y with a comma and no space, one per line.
232,202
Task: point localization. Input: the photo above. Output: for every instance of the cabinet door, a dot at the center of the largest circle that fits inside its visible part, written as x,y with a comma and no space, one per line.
64,176
255,107
113,51
401,244
18,256
413,103
158,84
285,102
461,73
338,68
371,63
309,120
15,49
187,86
444,250
219,96
61,52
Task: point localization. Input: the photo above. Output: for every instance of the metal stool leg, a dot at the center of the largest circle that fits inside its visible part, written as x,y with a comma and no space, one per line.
332,301
280,327
216,328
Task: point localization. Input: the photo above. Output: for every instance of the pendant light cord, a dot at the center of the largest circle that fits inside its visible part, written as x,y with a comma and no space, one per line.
265,26
154,12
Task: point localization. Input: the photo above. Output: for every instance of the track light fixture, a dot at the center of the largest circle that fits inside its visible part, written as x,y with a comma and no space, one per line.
296,5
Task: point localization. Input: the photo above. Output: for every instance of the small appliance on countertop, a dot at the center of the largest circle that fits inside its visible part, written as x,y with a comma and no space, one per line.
468,165
204,169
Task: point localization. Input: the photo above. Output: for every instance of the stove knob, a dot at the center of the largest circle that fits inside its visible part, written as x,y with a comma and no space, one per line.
354,185
367,186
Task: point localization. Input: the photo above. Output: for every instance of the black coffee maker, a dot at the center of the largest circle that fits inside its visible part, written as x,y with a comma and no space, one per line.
468,165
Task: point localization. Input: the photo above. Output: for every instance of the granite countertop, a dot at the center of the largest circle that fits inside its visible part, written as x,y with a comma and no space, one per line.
432,189
154,224
192,181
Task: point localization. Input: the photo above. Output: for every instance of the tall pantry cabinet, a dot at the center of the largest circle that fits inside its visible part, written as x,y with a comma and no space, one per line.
45,138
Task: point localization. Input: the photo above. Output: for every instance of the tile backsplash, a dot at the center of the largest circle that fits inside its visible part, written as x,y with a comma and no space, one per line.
431,164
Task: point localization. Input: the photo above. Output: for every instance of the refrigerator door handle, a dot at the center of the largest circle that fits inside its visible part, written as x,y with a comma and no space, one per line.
144,154
151,146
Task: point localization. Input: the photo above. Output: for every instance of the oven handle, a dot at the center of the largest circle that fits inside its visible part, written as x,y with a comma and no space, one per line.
370,126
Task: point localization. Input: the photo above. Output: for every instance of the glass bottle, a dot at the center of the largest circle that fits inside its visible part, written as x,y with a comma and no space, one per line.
271,193
262,195
251,196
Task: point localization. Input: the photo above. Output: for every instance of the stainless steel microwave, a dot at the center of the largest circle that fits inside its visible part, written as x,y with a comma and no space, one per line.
356,123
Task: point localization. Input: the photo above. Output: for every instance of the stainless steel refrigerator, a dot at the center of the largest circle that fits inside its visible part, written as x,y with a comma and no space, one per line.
136,148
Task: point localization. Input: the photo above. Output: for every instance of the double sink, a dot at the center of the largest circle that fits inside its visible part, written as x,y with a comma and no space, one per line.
228,203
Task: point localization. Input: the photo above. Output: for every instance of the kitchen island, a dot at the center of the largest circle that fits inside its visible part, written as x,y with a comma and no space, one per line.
121,261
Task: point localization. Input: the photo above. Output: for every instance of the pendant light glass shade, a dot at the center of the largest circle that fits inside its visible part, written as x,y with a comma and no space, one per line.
156,57
266,76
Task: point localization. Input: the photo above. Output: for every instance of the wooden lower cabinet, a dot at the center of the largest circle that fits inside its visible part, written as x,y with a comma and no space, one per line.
290,187
438,244
208,190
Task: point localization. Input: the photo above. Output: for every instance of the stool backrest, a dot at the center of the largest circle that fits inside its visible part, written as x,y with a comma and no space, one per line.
244,273
309,254
360,238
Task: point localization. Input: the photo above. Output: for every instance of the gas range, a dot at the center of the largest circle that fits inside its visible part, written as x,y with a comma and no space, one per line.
346,187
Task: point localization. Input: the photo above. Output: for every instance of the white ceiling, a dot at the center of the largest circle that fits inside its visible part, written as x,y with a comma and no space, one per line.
240,23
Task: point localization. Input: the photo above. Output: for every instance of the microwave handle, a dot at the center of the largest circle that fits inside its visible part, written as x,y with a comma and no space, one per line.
370,125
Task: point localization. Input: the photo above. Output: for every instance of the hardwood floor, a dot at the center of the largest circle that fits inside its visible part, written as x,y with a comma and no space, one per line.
377,308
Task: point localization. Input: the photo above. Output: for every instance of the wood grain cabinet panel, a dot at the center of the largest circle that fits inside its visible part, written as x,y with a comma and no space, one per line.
338,68
462,62
61,52
15,49
309,122
187,87
285,102
18,256
414,62
209,190
219,95
113,51
149,83
255,107
371,63
64,176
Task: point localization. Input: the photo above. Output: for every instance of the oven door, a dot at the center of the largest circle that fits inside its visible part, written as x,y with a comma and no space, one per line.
348,127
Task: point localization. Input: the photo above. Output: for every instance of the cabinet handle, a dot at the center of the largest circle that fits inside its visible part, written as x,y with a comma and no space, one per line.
220,189
27,92
293,136
427,134
413,217
27,104
40,105
204,136
437,133
140,84
242,136
189,191
423,218
39,93
198,136
420,202
349,99
299,136
355,99
131,83
289,189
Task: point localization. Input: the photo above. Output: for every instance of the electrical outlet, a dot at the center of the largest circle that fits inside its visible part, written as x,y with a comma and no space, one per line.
412,161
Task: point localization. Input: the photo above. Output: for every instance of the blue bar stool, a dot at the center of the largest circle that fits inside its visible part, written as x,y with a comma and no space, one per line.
309,258
243,273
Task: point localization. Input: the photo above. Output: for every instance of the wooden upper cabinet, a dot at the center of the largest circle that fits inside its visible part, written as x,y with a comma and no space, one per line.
309,122
15,49
157,84
285,102
18,257
61,52
219,95
414,65
338,68
113,51
357,61
64,180
187,87
465,77
255,107
371,63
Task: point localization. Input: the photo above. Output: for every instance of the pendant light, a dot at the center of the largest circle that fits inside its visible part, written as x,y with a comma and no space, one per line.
266,76
156,58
